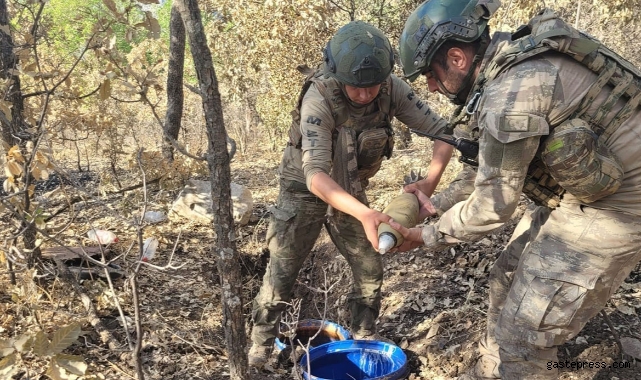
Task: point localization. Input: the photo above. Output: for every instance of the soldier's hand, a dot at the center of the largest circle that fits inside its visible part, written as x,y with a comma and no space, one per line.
426,206
425,186
412,188
370,220
412,236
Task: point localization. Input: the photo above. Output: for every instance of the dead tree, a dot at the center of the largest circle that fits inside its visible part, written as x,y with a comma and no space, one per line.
218,160
11,129
175,94
14,130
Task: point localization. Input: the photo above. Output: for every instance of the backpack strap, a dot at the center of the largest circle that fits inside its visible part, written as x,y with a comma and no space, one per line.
547,32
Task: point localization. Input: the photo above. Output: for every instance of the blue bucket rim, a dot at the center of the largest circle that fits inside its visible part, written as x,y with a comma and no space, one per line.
348,345
342,331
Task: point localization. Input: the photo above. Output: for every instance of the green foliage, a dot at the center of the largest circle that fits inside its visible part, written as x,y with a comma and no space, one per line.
163,15
70,22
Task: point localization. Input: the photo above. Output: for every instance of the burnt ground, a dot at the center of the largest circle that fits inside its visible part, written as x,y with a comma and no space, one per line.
433,302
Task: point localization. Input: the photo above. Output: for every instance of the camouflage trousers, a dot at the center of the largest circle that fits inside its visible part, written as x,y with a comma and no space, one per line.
557,272
294,226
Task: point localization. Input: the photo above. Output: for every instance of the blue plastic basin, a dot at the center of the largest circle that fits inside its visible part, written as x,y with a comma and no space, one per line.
355,360
306,329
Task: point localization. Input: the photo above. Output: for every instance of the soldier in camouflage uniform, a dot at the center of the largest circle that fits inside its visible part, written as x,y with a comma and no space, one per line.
557,118
341,133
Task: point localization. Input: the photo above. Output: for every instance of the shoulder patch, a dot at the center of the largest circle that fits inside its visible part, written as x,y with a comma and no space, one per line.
509,127
515,123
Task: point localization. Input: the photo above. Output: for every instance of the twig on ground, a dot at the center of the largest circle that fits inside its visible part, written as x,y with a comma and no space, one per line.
12,274
217,350
105,335
79,198
615,333
120,370
171,257
117,303
2,199
133,280
326,290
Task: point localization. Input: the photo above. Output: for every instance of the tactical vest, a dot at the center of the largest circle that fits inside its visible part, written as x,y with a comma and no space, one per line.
547,32
359,143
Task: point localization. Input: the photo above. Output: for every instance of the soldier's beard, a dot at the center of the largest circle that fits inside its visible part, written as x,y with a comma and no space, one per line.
455,86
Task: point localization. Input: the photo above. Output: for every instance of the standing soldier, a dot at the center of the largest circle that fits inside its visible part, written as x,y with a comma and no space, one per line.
340,135
557,118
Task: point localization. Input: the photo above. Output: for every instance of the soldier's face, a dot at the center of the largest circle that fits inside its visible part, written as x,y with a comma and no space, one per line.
430,78
362,95
447,74
444,79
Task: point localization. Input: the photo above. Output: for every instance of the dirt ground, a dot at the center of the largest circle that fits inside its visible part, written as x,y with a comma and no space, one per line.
433,307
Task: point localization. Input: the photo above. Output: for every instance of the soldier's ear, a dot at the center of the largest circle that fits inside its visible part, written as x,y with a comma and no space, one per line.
457,58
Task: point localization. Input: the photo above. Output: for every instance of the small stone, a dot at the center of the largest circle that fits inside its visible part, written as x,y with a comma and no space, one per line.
580,340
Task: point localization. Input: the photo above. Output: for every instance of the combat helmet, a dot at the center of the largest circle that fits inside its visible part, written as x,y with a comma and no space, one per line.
359,55
436,21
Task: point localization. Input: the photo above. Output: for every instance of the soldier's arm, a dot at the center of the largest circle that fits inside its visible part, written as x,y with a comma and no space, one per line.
498,186
416,114
511,121
317,125
323,186
502,170
457,191
441,155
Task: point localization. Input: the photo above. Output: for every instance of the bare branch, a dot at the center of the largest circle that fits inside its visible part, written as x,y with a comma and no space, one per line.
133,280
350,12
614,332
38,93
173,142
11,196
34,27
193,89
123,100
171,256
58,242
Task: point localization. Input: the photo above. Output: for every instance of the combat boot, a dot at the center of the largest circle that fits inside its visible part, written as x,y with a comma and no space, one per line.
258,355
486,368
471,376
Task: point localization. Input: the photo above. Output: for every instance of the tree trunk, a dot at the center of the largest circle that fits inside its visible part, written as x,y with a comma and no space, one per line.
218,160
174,81
11,124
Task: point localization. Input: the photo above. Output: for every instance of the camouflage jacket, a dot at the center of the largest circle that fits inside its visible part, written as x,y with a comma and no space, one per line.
317,126
517,108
